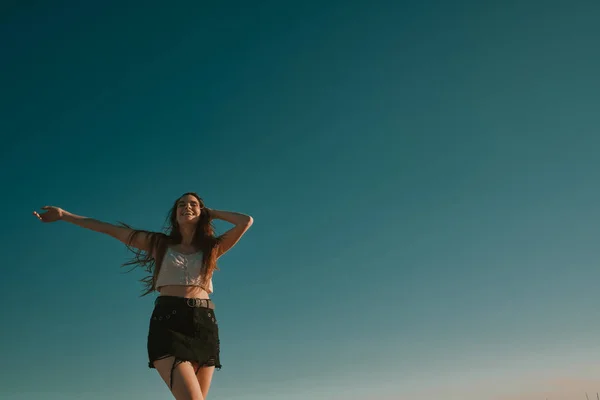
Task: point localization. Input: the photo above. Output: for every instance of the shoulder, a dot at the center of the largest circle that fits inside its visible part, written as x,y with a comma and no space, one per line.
158,243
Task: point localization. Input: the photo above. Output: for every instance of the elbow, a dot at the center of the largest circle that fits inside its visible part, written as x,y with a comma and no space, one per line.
249,221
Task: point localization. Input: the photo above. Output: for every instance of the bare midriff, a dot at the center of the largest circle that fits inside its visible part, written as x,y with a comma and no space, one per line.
184,291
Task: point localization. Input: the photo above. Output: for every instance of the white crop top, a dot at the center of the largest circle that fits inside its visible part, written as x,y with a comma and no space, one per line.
181,269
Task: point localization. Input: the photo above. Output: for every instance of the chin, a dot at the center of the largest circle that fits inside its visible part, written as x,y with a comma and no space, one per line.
187,221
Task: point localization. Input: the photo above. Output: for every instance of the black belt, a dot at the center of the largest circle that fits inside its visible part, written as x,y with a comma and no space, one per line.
185,301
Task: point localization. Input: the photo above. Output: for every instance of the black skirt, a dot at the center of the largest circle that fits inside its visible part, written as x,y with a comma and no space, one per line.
186,329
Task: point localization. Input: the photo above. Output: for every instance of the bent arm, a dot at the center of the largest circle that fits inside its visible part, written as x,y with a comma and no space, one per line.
242,223
121,233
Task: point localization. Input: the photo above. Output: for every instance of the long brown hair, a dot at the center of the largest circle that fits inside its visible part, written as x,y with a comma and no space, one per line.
150,261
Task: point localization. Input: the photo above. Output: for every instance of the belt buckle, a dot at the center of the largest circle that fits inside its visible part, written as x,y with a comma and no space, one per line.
195,302
191,302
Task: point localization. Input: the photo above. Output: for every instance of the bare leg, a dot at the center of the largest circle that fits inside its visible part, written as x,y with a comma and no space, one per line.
182,379
204,377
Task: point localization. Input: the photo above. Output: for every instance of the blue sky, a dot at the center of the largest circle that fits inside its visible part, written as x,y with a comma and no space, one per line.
423,179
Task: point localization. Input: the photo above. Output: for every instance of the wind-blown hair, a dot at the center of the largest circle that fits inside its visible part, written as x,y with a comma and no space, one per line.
150,261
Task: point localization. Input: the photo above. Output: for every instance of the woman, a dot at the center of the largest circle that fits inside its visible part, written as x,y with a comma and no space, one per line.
183,338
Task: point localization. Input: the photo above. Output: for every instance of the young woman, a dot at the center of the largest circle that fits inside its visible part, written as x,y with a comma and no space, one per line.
183,338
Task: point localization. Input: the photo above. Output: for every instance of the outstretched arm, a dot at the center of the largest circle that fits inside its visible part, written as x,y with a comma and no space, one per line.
241,221
122,233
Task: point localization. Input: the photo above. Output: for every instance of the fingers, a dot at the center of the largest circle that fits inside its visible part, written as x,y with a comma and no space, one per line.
46,208
38,215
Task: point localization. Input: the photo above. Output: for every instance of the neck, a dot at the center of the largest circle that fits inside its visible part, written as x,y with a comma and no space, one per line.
187,234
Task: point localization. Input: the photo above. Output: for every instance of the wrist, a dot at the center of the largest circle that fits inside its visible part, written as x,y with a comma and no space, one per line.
211,213
66,216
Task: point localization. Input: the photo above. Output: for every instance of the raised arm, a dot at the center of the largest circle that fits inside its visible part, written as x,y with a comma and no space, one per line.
241,221
126,235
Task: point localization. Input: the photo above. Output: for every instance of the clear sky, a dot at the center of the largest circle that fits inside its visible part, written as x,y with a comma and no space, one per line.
423,178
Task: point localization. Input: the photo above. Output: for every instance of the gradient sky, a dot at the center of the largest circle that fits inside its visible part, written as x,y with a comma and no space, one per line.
423,178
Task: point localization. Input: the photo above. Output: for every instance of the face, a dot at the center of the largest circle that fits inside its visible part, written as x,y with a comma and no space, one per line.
188,210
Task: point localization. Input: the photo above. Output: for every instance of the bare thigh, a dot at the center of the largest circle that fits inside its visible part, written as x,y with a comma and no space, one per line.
185,385
204,377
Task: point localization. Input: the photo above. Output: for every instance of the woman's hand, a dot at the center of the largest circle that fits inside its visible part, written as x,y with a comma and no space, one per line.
242,223
52,214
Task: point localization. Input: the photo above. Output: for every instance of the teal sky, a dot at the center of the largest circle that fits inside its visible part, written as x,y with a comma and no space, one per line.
423,178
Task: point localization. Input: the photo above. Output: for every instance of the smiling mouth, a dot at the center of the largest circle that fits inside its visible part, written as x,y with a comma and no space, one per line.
188,213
